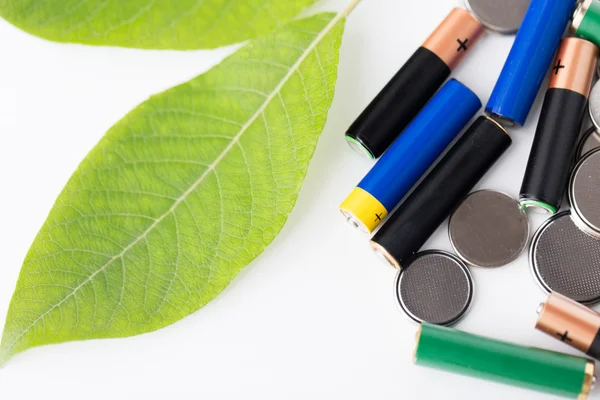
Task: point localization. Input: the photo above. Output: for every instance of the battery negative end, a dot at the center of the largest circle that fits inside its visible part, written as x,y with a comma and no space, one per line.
362,210
359,147
540,308
537,207
384,255
589,380
503,121
580,14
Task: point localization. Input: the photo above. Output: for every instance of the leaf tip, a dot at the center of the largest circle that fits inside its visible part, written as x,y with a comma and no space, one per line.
4,357
6,352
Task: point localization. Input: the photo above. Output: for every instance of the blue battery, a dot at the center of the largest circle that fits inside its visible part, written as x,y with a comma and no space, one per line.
529,59
411,154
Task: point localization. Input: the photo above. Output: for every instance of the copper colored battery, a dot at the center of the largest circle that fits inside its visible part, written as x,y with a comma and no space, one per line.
578,58
570,322
556,137
414,84
454,37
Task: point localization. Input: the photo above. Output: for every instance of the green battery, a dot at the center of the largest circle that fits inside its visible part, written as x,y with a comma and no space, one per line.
586,21
528,367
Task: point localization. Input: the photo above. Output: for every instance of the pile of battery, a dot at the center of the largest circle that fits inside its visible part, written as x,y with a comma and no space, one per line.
424,175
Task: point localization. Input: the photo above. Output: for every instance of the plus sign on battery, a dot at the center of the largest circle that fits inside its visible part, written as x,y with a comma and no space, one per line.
558,67
564,337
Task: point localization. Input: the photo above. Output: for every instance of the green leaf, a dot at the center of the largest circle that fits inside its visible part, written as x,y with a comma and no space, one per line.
151,24
180,195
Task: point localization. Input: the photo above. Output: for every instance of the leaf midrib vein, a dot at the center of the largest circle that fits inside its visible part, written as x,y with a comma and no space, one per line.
212,167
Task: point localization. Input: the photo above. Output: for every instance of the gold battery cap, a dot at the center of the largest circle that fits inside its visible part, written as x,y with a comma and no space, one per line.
568,321
454,37
574,66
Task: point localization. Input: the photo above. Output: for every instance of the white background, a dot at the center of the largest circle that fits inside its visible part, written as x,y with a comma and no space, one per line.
314,316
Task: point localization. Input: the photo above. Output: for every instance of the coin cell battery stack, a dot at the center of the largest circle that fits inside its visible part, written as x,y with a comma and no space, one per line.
414,84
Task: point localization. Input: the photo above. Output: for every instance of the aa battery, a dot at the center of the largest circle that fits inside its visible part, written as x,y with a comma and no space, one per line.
414,84
556,138
586,21
527,367
571,323
409,157
441,191
529,60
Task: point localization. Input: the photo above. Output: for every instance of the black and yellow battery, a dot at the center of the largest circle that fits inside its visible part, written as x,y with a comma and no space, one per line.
555,144
571,323
414,84
527,367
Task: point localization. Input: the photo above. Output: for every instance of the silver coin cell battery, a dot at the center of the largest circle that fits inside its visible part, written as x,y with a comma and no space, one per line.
489,229
435,287
565,260
594,105
584,194
500,16
589,142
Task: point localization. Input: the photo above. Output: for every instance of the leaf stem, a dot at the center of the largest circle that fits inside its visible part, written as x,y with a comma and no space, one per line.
349,8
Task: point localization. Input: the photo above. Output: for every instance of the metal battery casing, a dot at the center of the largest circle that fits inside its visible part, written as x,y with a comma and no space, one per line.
565,259
434,287
584,192
500,16
589,142
489,229
594,106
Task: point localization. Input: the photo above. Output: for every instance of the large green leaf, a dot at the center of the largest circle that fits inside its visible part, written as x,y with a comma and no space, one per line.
180,195
150,24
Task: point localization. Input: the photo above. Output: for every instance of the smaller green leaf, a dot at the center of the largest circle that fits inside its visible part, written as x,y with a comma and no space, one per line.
180,195
151,24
